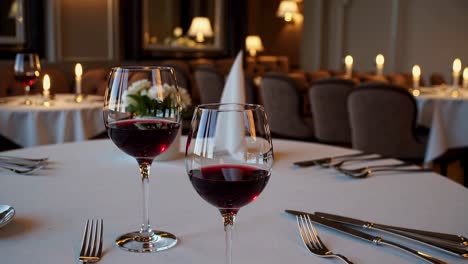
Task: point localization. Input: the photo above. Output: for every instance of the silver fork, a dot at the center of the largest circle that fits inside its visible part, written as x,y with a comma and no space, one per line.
312,240
27,170
91,249
364,172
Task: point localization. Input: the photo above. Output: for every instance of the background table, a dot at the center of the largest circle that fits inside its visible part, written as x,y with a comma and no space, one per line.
64,121
94,179
446,116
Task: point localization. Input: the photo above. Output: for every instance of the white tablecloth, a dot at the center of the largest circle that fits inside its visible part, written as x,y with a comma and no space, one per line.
447,118
94,179
64,121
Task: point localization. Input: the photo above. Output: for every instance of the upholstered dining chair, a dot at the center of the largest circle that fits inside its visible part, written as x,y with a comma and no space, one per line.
210,85
280,97
94,81
8,85
328,99
383,121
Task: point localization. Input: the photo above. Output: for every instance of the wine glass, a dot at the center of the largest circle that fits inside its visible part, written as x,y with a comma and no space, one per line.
27,68
228,158
142,117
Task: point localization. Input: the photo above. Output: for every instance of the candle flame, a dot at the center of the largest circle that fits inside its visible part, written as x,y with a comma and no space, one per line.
348,60
456,65
465,73
78,70
416,70
379,59
46,82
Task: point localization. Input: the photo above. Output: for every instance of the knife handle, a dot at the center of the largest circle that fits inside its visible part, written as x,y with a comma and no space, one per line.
424,256
460,240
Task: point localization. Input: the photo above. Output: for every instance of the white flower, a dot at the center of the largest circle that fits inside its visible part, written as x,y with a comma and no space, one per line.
138,87
185,99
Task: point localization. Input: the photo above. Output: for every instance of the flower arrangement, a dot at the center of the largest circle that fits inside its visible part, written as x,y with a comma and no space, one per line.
144,99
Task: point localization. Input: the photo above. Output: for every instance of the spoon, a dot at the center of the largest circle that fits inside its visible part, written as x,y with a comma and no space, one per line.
6,214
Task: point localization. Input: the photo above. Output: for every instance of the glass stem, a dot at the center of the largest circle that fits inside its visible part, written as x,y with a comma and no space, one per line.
145,167
229,219
26,91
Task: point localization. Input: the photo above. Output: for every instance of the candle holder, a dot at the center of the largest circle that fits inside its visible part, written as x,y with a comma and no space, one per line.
455,92
79,98
416,91
46,100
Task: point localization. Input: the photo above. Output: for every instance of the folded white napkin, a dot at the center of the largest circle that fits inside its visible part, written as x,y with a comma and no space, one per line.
230,126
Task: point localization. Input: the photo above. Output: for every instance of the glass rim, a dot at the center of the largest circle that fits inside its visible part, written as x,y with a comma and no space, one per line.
141,68
216,107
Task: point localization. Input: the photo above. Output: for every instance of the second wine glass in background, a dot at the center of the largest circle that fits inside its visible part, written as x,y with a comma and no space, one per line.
229,156
27,69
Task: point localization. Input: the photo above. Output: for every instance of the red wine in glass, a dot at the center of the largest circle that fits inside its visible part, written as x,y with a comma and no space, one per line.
229,187
26,79
142,138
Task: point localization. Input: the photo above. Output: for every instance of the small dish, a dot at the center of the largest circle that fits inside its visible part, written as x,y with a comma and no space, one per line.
6,214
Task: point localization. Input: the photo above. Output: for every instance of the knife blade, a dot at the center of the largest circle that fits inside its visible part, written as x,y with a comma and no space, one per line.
308,163
364,236
455,239
356,222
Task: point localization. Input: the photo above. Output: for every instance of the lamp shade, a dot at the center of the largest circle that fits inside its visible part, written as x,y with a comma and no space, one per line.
200,25
253,42
287,7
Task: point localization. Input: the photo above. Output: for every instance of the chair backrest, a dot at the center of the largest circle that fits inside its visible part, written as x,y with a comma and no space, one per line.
329,107
8,85
210,84
281,100
94,81
383,119
437,79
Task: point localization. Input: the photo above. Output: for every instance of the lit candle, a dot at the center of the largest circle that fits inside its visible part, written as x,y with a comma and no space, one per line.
416,76
349,66
78,73
456,69
465,78
379,61
46,86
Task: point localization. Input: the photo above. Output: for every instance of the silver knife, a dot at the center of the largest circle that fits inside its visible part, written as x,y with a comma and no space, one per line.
355,222
374,239
460,241
308,163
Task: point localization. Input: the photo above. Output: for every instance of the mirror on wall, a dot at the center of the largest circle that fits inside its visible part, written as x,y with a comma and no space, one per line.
183,25
11,22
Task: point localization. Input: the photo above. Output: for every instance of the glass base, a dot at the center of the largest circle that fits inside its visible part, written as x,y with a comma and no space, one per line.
136,242
27,102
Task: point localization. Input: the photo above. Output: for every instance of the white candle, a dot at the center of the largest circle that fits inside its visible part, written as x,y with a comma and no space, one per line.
78,73
456,68
465,78
379,61
46,86
416,76
349,66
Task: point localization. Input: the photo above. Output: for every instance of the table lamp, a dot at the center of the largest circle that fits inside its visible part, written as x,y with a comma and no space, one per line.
200,28
253,44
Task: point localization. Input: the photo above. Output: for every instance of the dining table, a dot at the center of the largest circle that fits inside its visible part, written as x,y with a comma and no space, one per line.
445,113
94,179
63,120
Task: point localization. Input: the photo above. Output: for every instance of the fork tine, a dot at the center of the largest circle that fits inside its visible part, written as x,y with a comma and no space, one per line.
85,237
90,240
93,253
303,235
315,233
100,238
314,242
